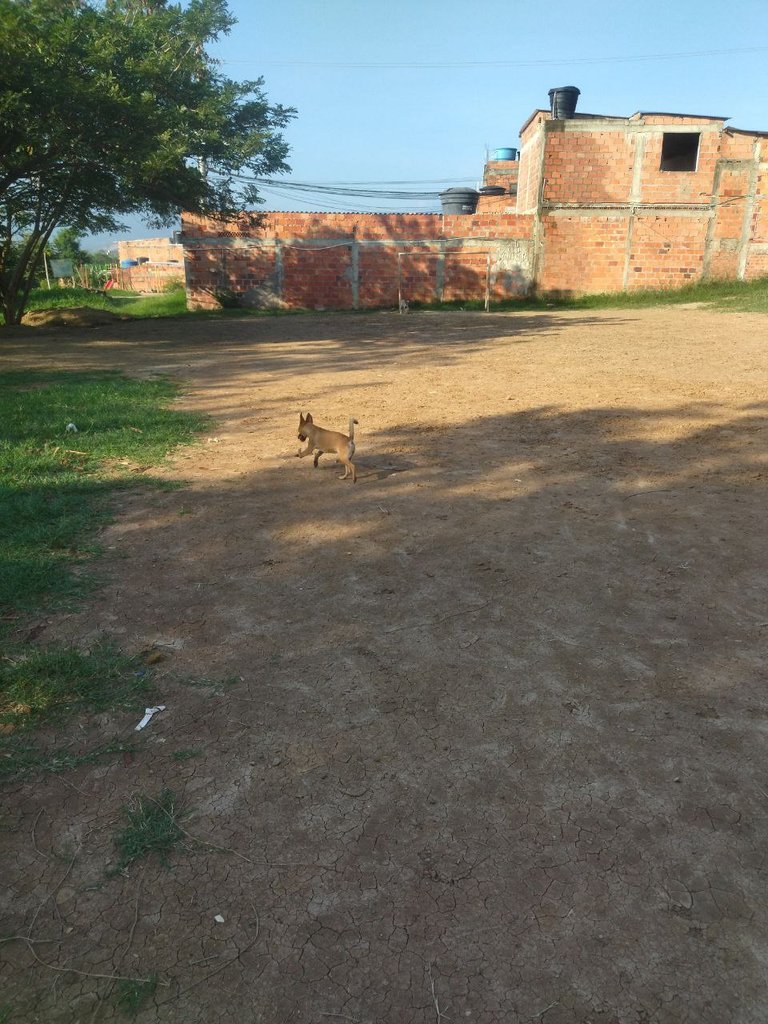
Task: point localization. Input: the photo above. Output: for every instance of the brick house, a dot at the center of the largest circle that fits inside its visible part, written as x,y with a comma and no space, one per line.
594,203
149,264
648,201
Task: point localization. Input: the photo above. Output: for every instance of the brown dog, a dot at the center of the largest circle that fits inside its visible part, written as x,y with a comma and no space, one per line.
319,440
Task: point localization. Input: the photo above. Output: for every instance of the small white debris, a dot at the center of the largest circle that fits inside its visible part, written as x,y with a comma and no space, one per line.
148,713
72,427
175,643
219,919
469,642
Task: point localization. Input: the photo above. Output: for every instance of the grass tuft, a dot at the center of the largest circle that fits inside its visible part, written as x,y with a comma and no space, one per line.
186,754
19,758
153,828
44,685
131,994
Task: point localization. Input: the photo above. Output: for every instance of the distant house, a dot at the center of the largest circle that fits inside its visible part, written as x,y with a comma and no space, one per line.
591,203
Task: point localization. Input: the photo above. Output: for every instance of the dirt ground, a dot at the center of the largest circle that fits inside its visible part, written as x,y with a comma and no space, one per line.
495,748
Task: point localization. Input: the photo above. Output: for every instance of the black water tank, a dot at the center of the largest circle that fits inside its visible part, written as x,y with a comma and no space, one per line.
493,190
563,101
459,200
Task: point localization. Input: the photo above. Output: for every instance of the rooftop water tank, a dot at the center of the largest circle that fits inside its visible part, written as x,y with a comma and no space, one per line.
459,200
562,101
505,153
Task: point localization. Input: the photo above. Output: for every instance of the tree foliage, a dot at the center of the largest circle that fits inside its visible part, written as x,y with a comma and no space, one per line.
111,107
65,245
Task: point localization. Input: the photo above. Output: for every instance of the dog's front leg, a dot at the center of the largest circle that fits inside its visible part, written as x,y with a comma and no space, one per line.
307,451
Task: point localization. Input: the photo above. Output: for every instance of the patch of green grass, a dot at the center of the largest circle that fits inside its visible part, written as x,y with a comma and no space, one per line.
19,758
44,685
169,303
218,686
723,294
65,298
55,491
130,995
741,296
144,306
153,828
185,755
55,484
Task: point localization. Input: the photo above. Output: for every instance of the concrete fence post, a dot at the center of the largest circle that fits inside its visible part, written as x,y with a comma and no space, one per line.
354,279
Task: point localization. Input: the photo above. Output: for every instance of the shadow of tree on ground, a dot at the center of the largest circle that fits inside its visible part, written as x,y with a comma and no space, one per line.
498,735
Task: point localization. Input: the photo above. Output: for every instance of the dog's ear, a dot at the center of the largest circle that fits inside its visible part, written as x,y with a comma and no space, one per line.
301,417
308,418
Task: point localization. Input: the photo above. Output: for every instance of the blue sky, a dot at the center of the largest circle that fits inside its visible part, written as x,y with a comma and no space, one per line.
415,90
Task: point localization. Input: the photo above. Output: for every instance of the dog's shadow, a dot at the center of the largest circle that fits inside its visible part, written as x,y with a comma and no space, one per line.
379,467
373,467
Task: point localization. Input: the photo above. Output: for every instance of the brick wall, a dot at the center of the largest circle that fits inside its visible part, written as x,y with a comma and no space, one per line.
665,250
611,218
594,212
530,173
582,252
587,165
162,263
351,260
500,174
757,259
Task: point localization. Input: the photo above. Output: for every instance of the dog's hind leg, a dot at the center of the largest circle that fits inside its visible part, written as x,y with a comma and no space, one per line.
348,463
347,466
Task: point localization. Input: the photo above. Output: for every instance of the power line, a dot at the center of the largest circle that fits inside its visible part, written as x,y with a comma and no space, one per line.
300,188
323,203
344,190
427,181
470,64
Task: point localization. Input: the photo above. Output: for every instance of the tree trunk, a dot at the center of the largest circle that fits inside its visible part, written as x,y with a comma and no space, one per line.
15,288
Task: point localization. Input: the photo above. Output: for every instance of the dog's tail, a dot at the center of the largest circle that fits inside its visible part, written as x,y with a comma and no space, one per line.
352,422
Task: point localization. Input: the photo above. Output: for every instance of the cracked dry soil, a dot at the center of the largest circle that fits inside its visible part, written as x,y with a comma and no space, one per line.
495,748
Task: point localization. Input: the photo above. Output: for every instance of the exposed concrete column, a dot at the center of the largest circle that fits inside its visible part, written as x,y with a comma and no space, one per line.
749,210
635,197
354,278
279,272
709,240
440,273
538,233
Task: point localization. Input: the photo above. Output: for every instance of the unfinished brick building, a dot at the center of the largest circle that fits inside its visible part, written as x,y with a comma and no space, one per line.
594,203
149,264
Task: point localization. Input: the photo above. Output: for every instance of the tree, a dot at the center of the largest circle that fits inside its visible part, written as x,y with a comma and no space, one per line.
101,257
65,245
110,107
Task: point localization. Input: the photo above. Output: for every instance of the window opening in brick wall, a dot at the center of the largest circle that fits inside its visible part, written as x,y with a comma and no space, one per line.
679,151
